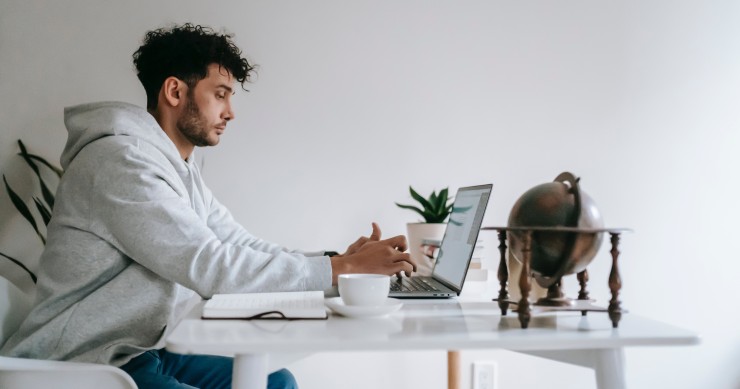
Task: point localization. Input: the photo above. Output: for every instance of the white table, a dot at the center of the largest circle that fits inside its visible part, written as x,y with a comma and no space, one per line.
586,341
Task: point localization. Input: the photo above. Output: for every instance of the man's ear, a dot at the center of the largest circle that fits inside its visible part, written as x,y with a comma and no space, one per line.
173,91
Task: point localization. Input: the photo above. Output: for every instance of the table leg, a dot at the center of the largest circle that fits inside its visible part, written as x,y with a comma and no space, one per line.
525,313
608,363
250,371
583,293
453,369
503,275
609,369
615,283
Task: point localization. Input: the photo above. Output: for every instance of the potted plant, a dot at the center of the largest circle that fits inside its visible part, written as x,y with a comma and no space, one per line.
13,269
434,211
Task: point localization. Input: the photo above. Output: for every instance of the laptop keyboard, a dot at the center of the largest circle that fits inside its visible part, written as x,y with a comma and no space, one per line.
413,284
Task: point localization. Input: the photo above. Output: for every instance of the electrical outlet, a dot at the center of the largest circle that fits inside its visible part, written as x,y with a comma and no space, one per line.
485,375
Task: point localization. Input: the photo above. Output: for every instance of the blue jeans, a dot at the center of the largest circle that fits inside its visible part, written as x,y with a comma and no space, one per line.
159,369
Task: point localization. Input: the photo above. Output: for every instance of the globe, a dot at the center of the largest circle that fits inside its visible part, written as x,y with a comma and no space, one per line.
554,254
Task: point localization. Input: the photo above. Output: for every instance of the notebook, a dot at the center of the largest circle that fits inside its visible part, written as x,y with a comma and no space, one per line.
455,251
276,306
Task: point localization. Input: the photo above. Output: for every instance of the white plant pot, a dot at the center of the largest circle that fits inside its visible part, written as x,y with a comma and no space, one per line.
416,233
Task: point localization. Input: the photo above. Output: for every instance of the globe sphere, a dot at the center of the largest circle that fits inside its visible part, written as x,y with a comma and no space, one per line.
560,203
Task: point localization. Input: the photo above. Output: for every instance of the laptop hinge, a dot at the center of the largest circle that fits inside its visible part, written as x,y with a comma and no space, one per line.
449,285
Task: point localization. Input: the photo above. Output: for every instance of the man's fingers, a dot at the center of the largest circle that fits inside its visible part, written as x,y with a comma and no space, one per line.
404,258
404,267
376,232
397,242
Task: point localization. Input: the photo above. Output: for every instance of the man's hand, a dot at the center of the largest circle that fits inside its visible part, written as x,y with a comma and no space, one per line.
374,236
375,256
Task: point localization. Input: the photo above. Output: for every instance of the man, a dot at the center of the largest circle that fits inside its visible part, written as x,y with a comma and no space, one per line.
136,236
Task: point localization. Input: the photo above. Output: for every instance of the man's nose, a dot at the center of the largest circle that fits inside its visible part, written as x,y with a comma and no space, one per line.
229,113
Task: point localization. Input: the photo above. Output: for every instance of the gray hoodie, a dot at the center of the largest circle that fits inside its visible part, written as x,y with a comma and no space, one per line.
134,237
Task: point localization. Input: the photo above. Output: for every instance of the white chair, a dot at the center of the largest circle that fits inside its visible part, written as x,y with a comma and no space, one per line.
22,373
19,373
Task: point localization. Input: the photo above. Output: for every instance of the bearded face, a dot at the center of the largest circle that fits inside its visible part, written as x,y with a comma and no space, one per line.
194,126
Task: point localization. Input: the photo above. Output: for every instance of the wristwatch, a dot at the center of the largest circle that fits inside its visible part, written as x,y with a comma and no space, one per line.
330,253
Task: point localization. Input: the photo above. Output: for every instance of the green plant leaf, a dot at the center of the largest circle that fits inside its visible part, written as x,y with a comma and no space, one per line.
420,199
433,202
17,262
22,208
428,217
48,196
442,204
435,218
24,154
448,211
56,170
45,214
411,207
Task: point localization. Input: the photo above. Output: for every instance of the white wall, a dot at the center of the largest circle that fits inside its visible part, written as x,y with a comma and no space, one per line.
357,100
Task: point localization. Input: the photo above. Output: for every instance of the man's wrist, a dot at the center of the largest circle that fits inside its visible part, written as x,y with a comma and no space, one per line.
338,266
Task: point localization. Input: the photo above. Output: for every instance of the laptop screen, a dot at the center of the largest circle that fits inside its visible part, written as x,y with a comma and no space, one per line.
461,234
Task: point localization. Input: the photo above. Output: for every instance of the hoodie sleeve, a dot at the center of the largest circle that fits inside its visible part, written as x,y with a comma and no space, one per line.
139,207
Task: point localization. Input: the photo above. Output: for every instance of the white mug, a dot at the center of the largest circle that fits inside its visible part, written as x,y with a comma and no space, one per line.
364,289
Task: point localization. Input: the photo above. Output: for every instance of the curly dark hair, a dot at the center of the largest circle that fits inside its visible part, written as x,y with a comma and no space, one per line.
186,52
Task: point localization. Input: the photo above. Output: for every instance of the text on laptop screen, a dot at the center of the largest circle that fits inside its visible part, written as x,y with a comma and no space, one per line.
461,234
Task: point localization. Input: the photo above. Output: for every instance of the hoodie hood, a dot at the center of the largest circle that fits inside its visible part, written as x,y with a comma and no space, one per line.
87,123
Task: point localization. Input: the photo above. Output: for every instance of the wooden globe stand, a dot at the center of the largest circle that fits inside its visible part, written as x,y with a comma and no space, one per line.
556,300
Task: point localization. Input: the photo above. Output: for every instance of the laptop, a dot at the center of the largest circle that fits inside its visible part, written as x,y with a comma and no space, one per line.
455,251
